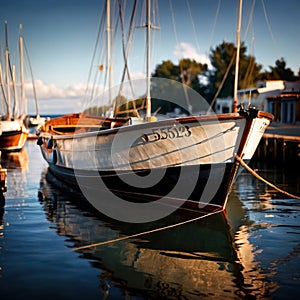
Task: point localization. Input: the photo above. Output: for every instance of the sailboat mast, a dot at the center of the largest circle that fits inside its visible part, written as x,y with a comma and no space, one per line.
14,82
7,74
238,44
2,88
21,49
108,41
148,97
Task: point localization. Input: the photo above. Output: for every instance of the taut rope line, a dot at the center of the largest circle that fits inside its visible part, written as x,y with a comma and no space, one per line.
145,232
252,172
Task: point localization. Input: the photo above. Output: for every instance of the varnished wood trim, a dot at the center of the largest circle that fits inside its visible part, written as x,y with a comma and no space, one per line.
264,114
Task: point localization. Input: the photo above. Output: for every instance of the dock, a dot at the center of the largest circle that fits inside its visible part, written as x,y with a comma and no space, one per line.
280,143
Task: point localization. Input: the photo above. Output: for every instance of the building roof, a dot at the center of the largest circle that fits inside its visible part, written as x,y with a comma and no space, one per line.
285,95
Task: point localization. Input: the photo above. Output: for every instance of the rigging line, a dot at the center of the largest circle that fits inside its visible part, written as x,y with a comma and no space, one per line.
215,24
115,27
156,15
11,78
250,68
1,59
193,25
222,83
125,55
14,87
129,40
32,78
94,55
2,88
146,232
251,65
250,19
269,26
117,103
174,27
155,24
180,64
252,172
142,16
129,37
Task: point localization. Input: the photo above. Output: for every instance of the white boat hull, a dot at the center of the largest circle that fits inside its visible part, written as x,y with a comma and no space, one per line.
191,158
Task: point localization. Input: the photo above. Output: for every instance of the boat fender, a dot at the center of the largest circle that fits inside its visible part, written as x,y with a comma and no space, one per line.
40,141
54,157
50,144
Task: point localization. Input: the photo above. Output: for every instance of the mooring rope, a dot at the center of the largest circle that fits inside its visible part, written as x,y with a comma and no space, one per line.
145,232
252,172
239,159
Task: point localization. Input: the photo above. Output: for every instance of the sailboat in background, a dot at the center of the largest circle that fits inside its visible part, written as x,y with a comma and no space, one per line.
13,133
188,160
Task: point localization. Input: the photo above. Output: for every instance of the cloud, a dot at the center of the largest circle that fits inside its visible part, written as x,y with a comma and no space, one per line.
51,91
186,50
55,99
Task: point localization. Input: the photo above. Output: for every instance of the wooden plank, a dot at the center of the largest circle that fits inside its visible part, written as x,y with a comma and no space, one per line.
287,138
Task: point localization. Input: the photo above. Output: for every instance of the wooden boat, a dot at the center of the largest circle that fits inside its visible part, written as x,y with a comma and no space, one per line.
13,133
187,160
201,146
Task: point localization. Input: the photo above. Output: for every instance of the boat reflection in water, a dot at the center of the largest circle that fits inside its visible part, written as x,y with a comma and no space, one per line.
16,164
15,160
208,257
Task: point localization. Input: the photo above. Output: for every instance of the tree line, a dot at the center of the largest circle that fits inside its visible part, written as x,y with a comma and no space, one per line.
208,81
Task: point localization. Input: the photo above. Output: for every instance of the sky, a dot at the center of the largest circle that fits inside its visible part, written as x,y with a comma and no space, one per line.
60,37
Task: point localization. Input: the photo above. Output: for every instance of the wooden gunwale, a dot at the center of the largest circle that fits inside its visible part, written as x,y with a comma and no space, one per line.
125,128
264,114
108,131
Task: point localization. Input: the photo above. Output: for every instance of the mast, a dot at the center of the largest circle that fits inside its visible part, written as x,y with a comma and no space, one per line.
14,82
108,54
21,49
238,42
148,97
2,87
7,74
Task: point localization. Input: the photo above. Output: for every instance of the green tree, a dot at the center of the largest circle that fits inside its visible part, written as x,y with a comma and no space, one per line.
222,58
186,72
167,70
190,70
279,72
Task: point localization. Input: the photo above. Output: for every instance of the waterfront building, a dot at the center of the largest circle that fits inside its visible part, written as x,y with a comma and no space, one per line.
279,97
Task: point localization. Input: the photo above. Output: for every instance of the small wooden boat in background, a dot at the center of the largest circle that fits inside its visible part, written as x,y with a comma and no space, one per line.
13,133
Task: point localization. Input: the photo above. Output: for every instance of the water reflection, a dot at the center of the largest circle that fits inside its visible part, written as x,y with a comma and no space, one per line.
15,160
209,257
274,232
16,164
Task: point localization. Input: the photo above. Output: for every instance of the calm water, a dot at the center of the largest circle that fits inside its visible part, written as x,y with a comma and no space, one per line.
252,252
